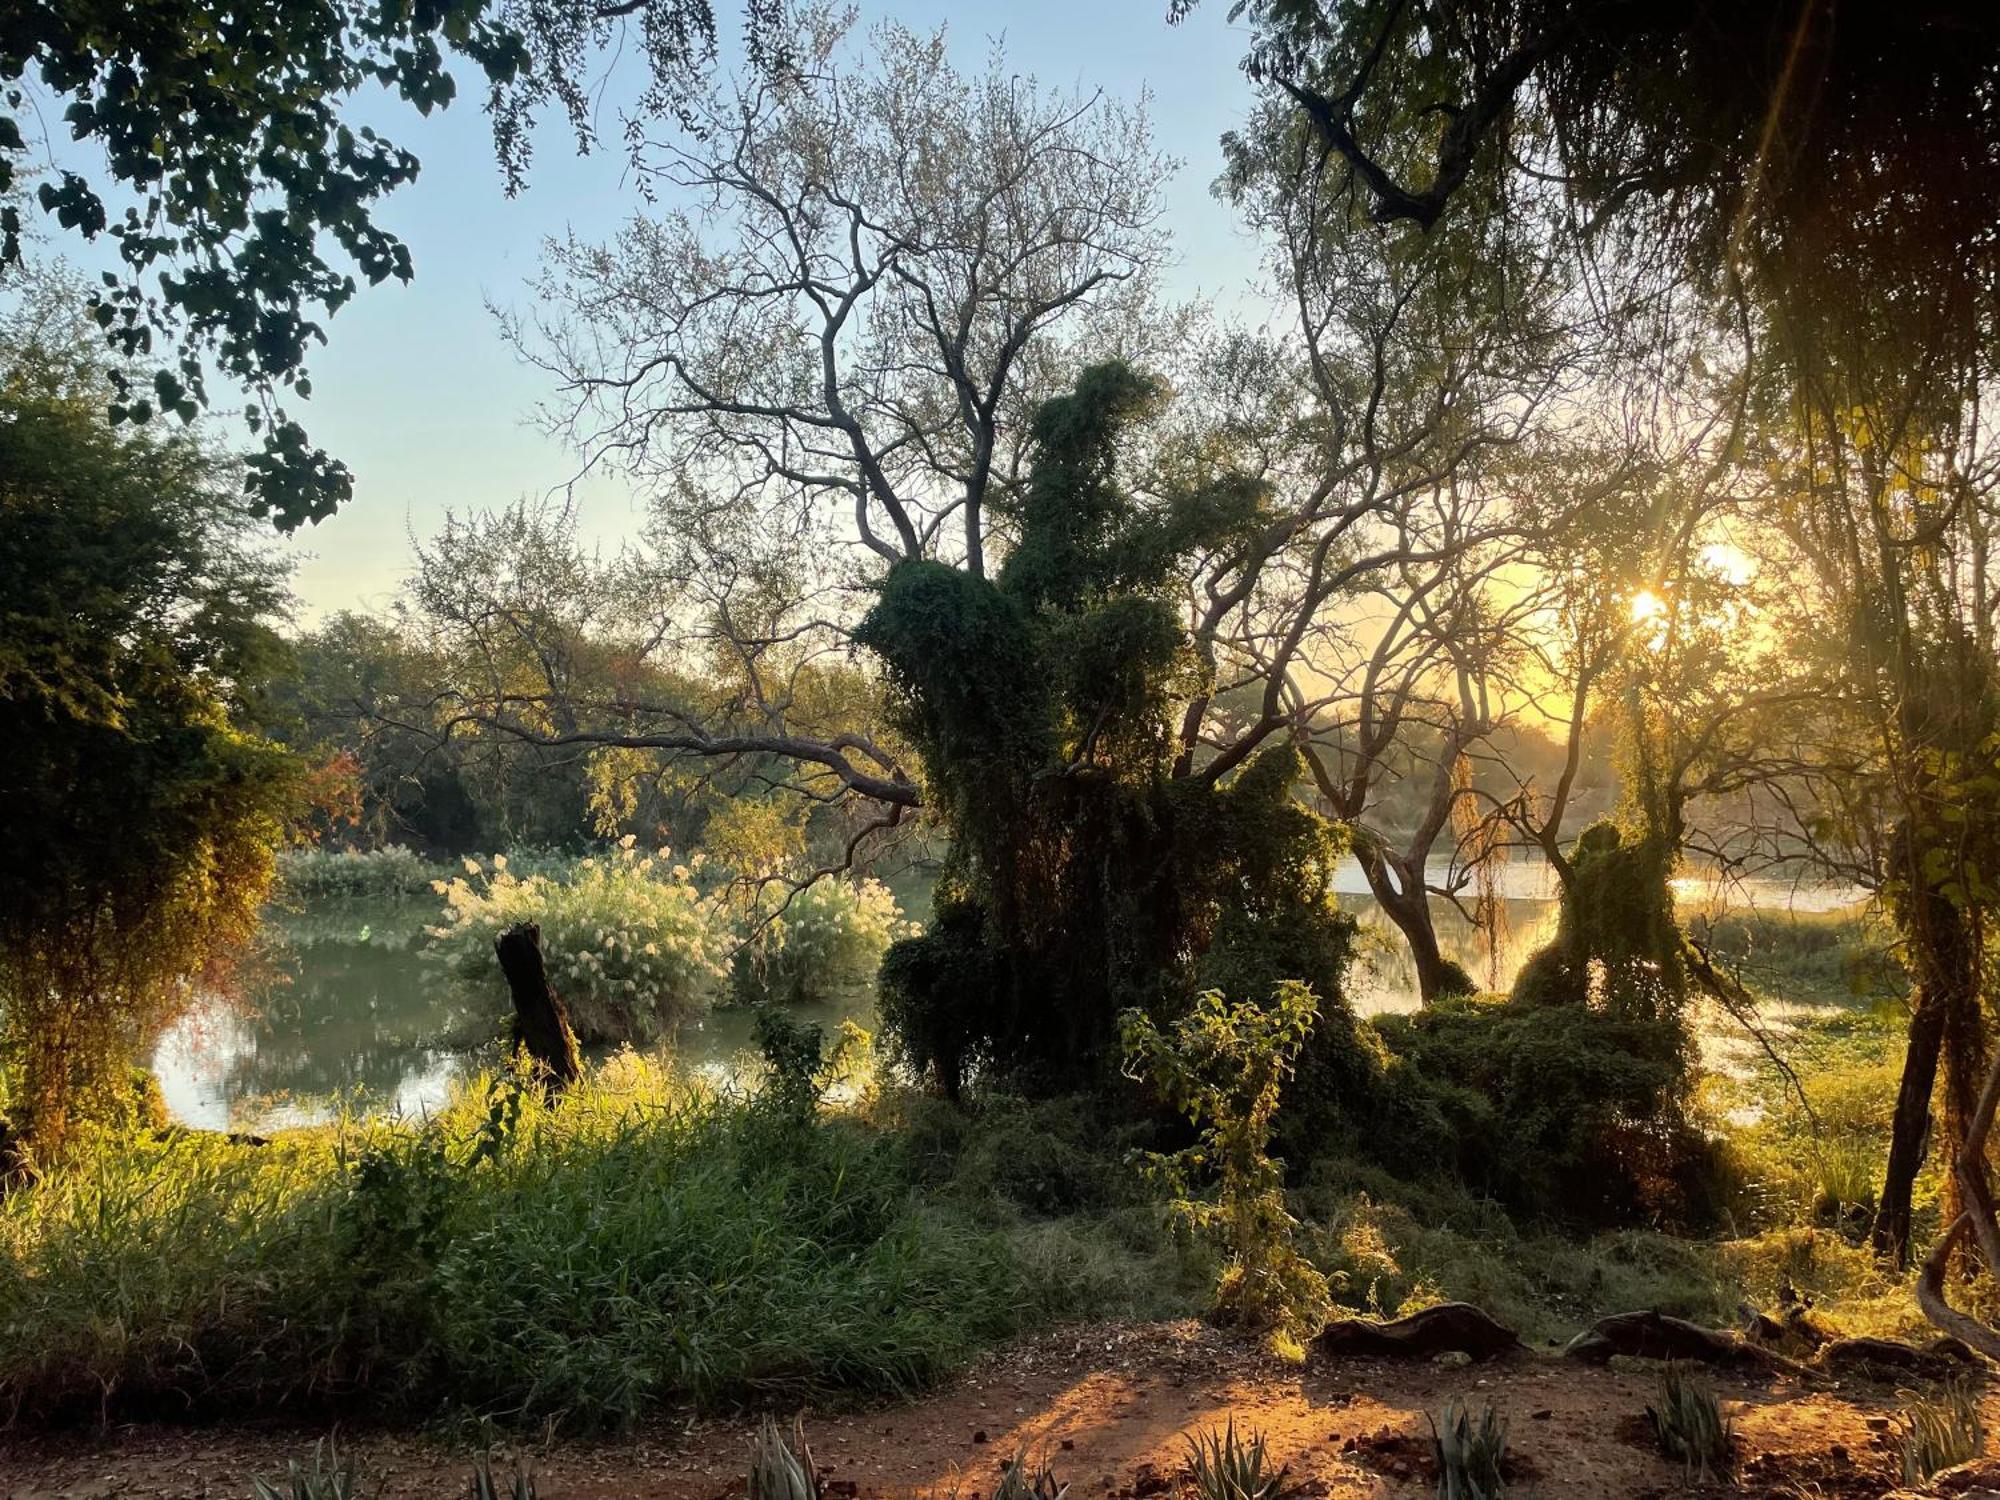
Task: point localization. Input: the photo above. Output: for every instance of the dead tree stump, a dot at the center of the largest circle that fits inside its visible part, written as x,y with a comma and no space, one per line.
541,1023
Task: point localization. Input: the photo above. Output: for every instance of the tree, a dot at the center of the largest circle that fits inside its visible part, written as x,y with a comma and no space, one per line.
224,134
143,803
1816,188
1416,388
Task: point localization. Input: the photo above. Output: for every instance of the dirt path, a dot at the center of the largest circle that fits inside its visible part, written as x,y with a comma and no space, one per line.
1109,1407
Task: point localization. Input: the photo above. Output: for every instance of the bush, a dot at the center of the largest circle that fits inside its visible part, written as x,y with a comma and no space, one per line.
1223,1066
632,946
828,941
335,874
645,1243
1561,1111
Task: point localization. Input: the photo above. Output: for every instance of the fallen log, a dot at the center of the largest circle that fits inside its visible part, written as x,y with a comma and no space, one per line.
1450,1327
1937,1359
1657,1335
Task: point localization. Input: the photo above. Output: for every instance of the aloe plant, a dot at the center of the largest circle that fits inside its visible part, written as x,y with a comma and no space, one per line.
1690,1424
1469,1453
1935,1432
782,1468
328,1478
1020,1482
521,1484
1225,1467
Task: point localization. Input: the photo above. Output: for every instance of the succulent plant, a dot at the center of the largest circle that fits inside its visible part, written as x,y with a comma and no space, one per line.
521,1484
1690,1424
1018,1481
1935,1432
782,1468
327,1478
1469,1453
1225,1467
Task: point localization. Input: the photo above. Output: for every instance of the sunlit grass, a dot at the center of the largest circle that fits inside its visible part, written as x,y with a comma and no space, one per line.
648,1241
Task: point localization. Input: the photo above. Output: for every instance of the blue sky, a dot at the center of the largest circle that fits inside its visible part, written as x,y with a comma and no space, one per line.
419,396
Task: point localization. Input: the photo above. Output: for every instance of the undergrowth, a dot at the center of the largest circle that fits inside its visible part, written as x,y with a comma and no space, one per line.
647,1241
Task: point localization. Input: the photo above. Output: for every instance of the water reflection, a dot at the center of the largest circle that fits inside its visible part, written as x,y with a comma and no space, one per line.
352,1015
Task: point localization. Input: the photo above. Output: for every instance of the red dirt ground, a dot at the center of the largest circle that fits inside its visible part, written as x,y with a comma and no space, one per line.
1109,1407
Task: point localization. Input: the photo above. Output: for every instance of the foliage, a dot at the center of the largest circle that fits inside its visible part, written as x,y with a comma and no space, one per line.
1469,1455
1934,1432
1225,1467
1223,1065
782,1468
1617,946
1563,1111
647,1243
801,1068
632,945
319,874
1084,876
326,1478
1690,1424
143,802
827,940
230,144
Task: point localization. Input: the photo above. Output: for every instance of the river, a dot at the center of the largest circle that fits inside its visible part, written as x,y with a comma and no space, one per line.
344,1012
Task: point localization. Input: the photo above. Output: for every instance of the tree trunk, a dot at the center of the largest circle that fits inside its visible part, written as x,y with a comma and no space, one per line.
1910,1133
541,1023
1946,1032
1410,910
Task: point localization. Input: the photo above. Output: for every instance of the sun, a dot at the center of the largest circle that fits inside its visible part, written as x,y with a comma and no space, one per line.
1647,605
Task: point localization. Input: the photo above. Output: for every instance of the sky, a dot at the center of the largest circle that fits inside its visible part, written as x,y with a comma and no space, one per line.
418,394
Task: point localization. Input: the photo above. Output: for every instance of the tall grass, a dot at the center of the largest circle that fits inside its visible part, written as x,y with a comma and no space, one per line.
633,945
331,874
646,1242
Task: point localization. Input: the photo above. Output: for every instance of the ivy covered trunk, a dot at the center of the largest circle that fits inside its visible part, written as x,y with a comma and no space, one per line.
1086,876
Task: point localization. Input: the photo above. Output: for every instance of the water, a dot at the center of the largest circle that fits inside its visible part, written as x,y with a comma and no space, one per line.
345,1012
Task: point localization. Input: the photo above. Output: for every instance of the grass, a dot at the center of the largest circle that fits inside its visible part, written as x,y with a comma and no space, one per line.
654,1242
646,1242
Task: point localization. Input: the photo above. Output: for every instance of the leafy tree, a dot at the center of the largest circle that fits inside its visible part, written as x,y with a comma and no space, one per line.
224,143
144,804
1814,185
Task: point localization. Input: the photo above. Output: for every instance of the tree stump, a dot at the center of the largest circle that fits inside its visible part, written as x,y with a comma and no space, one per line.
541,1023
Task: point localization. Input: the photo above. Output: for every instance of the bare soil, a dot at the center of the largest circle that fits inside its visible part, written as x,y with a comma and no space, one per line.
1109,1407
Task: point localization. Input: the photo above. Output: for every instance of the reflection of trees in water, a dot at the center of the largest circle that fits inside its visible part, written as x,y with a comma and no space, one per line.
363,1013
1386,980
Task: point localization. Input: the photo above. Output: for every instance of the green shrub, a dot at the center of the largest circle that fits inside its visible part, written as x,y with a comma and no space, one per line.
1562,1111
331,874
633,947
799,1067
827,942
935,993
1224,1066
